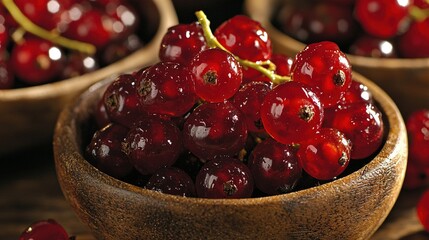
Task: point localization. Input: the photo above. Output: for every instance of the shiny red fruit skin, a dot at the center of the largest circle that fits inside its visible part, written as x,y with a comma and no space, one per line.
358,92
182,42
370,46
413,43
274,167
245,38
415,176
362,124
215,129
35,56
45,230
381,18
326,69
153,144
224,178
325,156
166,88
291,113
104,151
172,181
423,210
418,135
217,75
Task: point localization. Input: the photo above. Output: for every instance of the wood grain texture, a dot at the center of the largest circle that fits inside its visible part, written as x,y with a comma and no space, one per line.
352,207
405,80
33,111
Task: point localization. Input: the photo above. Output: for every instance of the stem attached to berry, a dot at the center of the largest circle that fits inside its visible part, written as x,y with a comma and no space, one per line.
29,26
212,42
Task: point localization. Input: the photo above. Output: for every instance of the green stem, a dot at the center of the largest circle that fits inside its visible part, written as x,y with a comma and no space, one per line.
212,42
29,26
418,14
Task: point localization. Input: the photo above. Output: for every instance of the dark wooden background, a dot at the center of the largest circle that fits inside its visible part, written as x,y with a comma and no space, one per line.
29,191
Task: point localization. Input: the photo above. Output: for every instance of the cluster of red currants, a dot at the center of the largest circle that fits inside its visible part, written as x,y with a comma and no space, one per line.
417,174
373,28
221,116
49,40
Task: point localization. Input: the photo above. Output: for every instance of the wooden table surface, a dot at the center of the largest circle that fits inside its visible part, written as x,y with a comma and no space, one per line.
29,191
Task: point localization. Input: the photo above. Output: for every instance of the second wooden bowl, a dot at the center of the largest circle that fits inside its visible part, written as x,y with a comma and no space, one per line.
405,80
28,115
352,207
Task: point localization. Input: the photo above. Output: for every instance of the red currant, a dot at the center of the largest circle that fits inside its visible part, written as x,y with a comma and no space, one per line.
153,144
326,69
418,133
215,129
182,42
370,46
104,151
413,43
357,92
325,156
274,167
381,18
291,113
6,75
44,230
217,75
172,181
423,210
416,176
224,178
166,88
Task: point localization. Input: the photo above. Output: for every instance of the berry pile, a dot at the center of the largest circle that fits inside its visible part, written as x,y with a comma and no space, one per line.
60,39
221,116
372,28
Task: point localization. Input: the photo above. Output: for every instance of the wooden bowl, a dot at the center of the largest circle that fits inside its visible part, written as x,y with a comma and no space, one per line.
28,115
352,207
405,80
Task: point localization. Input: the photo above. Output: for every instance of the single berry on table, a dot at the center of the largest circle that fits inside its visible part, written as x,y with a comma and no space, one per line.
44,230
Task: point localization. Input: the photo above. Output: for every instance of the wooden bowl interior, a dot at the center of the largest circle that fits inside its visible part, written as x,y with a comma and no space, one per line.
352,207
29,114
405,80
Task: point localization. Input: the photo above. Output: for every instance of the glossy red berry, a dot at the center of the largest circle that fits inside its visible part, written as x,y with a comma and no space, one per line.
121,100
325,68
245,38
415,176
182,42
166,88
42,61
418,134
413,43
274,167
217,75
100,114
172,181
153,144
381,18
105,151
44,230
224,178
370,46
423,209
215,129
362,124
4,32
358,92
325,156
249,100
291,113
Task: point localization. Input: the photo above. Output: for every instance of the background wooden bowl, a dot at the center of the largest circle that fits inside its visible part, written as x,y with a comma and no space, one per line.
352,207
28,115
405,80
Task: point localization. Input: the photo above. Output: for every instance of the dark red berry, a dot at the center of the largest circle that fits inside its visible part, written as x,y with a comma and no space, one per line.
7,79
358,92
423,209
153,144
166,88
172,181
217,75
413,43
326,155
105,151
224,178
326,69
381,18
274,167
418,134
181,43
416,176
370,46
45,230
215,129
291,113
